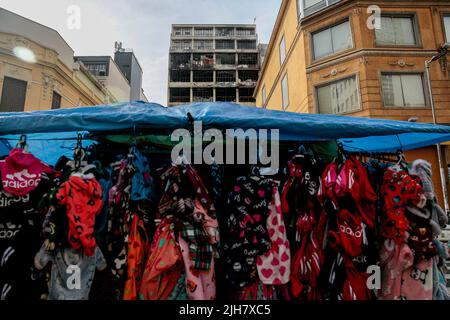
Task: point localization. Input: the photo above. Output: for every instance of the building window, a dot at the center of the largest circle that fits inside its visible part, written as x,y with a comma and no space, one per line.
180,95
396,31
246,95
203,45
246,44
282,48
338,97
226,59
56,100
245,32
224,32
225,76
181,45
447,27
182,32
180,76
13,95
285,92
225,45
226,94
264,96
203,76
308,7
403,90
203,32
248,59
332,40
203,94
97,69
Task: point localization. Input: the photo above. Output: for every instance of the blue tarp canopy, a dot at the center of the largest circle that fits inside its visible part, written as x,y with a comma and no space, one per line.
357,134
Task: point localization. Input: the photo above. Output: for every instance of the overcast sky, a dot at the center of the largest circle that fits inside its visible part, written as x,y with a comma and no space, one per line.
143,25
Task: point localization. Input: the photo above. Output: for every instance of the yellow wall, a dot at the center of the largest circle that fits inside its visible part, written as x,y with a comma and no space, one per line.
48,74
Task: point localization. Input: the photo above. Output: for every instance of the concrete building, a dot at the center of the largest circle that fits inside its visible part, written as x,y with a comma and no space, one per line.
325,56
38,71
132,70
213,63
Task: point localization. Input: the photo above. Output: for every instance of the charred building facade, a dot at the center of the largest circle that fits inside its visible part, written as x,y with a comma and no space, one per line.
209,63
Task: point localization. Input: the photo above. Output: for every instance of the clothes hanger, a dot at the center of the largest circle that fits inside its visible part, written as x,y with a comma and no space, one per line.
22,144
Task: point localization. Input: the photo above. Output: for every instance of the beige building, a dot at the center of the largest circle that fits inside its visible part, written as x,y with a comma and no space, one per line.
38,71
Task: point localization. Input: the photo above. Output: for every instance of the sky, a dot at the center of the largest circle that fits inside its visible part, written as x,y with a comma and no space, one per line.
142,25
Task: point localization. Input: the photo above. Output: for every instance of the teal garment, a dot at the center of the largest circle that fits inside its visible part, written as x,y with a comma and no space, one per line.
142,182
179,292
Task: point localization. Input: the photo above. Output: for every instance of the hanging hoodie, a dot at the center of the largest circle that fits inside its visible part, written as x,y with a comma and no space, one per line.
20,221
82,197
141,182
21,172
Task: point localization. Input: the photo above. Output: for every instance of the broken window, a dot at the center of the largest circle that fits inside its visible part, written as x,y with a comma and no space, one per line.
248,58
203,45
203,76
226,58
224,32
225,45
181,45
248,76
203,94
245,32
203,32
226,94
180,95
246,95
246,44
180,76
180,60
226,76
182,32
203,60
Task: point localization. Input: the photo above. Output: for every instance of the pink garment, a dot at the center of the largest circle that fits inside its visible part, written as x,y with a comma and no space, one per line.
274,267
418,281
395,260
21,172
200,285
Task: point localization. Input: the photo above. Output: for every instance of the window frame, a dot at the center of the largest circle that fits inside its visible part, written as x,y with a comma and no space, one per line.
424,86
333,81
282,40
342,21
416,29
284,105
55,93
264,96
3,92
444,15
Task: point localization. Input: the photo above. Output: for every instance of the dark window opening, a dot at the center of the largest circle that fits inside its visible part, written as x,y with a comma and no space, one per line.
180,60
226,76
203,60
56,100
246,44
246,95
248,58
248,76
13,95
226,94
180,95
203,76
203,94
226,59
225,32
225,45
245,32
180,76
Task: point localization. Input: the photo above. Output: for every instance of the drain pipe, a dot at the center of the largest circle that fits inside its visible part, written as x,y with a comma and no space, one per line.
442,53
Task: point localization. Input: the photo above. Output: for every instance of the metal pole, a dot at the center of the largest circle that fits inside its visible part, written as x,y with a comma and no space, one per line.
438,146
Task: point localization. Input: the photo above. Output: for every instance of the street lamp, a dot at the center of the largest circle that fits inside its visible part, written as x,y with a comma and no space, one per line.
442,52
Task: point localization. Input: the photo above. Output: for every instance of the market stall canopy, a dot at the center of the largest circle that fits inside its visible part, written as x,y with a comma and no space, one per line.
379,135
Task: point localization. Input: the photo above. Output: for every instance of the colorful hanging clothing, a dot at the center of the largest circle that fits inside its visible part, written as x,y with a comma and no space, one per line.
82,196
200,285
164,266
21,172
249,204
274,267
138,248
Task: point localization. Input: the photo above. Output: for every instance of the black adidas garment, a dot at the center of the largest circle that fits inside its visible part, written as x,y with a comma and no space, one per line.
20,225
